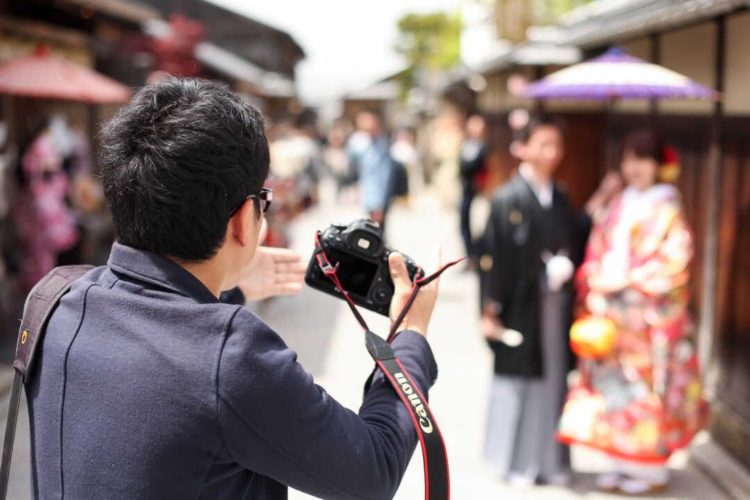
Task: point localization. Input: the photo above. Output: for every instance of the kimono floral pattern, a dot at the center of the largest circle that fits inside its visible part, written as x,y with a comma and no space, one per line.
643,400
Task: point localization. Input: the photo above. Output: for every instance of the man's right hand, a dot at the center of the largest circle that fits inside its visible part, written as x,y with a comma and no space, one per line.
490,326
418,317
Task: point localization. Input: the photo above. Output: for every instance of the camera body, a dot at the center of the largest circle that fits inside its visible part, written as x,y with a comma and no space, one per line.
362,258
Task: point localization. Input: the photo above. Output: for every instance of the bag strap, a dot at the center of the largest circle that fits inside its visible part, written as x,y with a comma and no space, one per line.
39,306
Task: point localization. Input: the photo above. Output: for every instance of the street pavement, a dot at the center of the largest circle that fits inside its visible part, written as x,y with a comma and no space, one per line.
330,346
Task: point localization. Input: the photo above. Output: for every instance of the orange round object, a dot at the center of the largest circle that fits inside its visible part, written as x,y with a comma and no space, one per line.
593,336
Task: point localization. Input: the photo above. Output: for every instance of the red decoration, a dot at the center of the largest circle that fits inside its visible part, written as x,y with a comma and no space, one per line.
175,52
45,76
670,156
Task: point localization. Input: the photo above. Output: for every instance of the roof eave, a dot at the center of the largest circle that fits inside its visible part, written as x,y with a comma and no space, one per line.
602,22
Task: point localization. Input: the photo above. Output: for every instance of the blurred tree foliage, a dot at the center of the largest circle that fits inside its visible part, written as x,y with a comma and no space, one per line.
514,17
427,42
549,11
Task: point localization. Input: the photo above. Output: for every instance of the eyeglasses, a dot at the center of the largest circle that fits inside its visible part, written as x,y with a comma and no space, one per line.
262,200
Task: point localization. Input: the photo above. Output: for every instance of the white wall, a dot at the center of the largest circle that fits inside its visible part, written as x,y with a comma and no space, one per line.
690,51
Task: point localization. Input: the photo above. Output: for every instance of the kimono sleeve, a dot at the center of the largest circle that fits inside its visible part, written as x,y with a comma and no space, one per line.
668,268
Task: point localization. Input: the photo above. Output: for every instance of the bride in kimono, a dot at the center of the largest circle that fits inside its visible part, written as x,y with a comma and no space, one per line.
642,400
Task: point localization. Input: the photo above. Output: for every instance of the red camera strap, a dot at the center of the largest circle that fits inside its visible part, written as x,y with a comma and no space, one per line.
435,457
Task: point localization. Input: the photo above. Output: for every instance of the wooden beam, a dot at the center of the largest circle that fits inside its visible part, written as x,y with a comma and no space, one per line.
129,11
707,328
43,31
656,59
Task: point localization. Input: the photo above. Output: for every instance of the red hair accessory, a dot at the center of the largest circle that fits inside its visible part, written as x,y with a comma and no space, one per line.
670,155
669,171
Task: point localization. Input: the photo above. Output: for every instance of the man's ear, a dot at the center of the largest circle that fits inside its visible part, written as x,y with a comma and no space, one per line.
263,231
242,224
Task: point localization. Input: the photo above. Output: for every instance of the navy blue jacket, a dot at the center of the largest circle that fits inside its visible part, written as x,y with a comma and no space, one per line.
148,387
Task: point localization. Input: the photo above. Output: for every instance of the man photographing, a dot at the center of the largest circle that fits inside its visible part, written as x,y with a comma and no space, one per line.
149,386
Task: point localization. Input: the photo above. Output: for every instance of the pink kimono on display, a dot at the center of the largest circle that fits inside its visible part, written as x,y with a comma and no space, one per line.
45,223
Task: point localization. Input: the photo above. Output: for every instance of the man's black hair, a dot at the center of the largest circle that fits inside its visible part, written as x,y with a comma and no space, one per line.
539,121
176,160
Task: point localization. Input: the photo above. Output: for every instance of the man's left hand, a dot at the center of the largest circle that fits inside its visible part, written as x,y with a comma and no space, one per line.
273,272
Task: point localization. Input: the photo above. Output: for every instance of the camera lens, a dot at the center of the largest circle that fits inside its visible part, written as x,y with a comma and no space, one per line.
380,295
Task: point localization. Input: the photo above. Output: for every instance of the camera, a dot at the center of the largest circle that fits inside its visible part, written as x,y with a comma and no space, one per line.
362,259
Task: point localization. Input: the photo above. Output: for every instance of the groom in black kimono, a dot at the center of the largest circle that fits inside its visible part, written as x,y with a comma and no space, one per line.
533,241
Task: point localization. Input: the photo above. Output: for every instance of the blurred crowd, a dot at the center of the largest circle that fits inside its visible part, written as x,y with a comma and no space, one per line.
367,164
52,211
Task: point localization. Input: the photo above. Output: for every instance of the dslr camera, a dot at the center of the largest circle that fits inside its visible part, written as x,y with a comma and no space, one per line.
362,259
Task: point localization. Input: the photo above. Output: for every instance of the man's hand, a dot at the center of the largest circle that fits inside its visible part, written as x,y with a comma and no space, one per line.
273,272
491,327
418,317
489,322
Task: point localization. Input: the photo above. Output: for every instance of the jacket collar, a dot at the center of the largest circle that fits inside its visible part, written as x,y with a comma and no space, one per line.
524,184
157,270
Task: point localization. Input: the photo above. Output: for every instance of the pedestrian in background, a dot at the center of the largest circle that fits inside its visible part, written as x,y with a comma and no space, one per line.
642,400
533,240
408,179
471,169
369,150
336,159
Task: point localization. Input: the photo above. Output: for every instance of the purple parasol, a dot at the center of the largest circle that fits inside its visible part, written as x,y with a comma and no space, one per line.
617,75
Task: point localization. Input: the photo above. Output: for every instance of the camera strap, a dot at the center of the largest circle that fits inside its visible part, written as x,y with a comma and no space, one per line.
435,457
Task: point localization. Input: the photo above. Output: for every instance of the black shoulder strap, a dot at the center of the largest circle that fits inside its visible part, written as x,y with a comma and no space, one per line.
40,303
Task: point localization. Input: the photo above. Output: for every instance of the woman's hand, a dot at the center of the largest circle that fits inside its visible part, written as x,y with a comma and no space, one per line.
610,185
